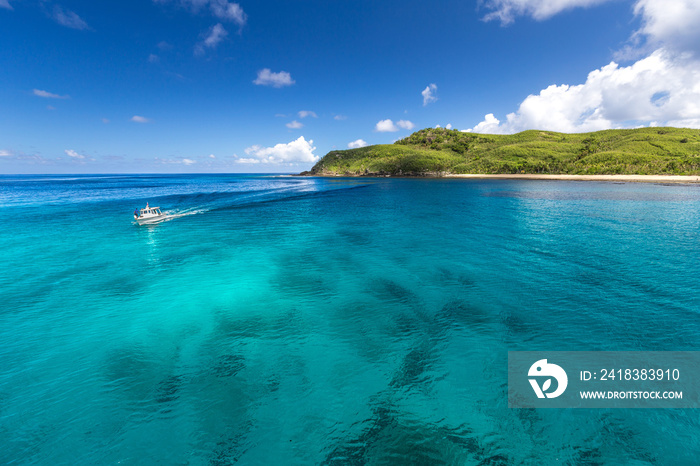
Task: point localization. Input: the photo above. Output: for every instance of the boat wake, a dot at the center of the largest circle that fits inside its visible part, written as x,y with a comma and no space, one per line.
171,215
259,192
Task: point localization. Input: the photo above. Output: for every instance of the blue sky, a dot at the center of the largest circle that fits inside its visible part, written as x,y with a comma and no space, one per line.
271,86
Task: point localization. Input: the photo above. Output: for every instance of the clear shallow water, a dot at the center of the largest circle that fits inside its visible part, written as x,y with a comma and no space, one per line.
281,320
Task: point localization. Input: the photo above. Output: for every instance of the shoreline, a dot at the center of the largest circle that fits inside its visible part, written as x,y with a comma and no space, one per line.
532,176
635,178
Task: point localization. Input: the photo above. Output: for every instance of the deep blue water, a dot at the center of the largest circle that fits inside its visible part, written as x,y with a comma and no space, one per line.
282,320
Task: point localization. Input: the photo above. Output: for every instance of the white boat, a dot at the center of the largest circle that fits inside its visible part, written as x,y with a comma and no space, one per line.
148,215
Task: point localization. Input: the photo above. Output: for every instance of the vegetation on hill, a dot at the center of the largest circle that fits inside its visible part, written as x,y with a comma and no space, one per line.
435,151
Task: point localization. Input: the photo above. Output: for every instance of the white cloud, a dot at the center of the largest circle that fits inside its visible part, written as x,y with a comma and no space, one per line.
299,151
357,144
174,161
68,18
385,126
506,10
247,160
429,94
5,153
294,125
267,78
405,124
307,113
340,117
228,11
5,4
153,58
662,88
212,156
74,154
670,23
48,95
388,126
214,36
140,119
448,126
489,125
222,9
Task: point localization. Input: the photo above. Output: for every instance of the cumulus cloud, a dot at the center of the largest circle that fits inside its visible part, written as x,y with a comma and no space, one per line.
429,94
490,125
222,9
505,11
385,126
662,88
188,161
139,119
405,124
307,113
672,24
74,154
294,125
357,144
214,36
388,126
5,153
68,18
5,4
340,117
267,78
48,95
299,151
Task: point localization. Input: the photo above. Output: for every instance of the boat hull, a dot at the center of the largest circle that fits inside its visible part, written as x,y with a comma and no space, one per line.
147,220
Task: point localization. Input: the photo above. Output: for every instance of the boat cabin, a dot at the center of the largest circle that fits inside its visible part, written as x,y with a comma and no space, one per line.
150,211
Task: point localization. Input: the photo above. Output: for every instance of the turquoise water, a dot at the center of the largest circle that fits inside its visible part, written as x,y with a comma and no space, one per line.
282,320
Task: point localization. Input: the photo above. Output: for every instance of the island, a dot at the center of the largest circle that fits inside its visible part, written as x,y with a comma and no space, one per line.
671,154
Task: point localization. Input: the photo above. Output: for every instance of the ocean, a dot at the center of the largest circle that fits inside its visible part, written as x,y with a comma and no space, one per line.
286,320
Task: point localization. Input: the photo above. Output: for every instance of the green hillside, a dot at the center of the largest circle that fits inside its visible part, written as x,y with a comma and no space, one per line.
644,151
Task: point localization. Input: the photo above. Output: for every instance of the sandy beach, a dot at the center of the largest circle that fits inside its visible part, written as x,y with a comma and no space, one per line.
625,178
